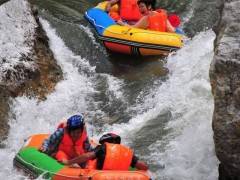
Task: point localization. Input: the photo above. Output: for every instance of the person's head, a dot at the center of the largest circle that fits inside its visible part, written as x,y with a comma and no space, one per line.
75,126
110,138
146,5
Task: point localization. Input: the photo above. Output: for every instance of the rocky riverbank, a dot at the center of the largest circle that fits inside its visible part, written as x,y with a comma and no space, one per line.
225,81
28,66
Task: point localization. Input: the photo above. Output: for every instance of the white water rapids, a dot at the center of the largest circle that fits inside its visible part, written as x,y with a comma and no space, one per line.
188,152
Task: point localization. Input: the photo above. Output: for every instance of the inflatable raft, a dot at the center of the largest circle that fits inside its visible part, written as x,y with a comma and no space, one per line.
127,40
35,163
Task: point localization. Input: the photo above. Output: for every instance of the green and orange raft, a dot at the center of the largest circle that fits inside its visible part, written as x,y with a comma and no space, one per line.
36,164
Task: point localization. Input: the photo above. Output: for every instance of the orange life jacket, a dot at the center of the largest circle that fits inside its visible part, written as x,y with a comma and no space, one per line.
114,15
118,157
70,148
129,10
158,22
91,164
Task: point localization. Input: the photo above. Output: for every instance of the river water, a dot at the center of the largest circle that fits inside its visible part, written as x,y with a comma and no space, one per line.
162,108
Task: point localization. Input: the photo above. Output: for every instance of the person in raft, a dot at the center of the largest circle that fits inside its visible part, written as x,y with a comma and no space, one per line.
69,140
128,11
152,20
110,155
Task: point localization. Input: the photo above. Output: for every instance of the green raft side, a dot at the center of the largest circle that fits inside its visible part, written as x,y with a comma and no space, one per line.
132,169
37,163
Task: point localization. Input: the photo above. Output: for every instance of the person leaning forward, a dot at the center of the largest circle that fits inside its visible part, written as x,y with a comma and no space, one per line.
69,141
110,155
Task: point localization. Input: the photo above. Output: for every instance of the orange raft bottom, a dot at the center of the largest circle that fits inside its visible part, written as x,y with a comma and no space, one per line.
85,174
126,49
70,173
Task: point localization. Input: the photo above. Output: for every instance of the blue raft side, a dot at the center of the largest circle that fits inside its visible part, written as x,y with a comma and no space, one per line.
99,19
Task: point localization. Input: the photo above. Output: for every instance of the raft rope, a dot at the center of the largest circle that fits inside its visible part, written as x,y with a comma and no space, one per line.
141,45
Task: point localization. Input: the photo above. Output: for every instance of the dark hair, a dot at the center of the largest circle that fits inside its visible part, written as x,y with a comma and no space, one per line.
151,3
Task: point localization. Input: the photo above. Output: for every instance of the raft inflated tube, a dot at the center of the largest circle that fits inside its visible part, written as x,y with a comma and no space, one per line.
130,40
36,164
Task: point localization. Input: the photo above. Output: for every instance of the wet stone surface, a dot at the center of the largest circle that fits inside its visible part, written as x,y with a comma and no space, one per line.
35,81
225,81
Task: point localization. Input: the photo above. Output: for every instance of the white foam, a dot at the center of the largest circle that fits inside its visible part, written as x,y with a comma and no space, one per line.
17,28
115,87
187,94
30,116
190,154
91,35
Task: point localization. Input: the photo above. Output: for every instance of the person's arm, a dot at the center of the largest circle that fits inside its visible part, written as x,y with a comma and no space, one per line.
87,146
142,23
170,28
50,145
96,153
110,4
140,165
80,159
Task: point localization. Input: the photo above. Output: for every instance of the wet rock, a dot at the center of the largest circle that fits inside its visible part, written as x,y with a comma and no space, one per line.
48,72
205,14
225,81
32,72
4,107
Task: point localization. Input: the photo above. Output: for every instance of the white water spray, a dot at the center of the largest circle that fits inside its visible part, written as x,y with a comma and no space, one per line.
189,152
30,116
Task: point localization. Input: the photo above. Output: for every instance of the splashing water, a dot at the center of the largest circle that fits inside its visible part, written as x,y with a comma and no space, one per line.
186,152
30,116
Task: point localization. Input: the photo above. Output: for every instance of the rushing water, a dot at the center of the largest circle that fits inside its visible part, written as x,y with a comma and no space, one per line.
161,108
